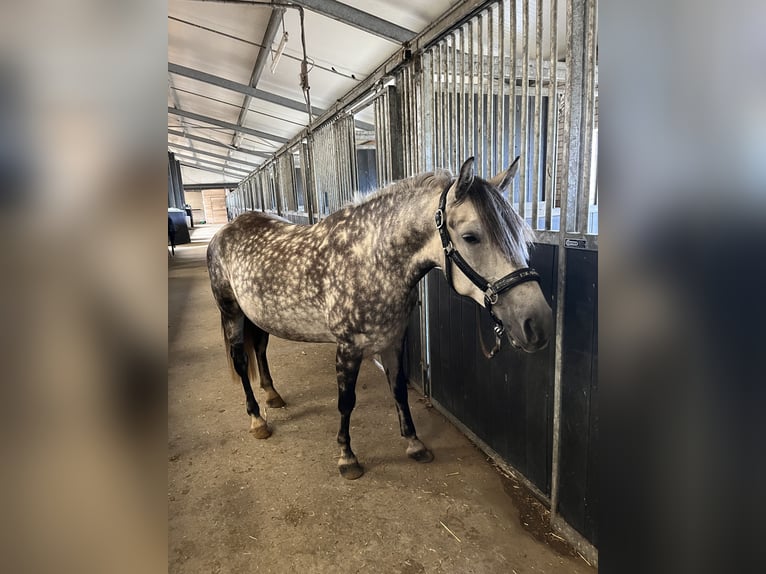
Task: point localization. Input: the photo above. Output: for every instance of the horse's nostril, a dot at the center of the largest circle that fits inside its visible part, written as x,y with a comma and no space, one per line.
529,331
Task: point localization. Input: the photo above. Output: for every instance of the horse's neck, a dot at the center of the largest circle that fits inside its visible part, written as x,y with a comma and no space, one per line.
407,236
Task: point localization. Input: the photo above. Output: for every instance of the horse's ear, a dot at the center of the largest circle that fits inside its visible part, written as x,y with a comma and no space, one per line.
503,179
464,180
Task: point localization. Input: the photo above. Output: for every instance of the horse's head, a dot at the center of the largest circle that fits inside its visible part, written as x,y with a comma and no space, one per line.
493,239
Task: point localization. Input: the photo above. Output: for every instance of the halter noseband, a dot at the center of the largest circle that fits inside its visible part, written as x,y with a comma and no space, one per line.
491,290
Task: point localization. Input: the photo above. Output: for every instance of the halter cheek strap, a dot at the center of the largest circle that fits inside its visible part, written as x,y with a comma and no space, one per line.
491,290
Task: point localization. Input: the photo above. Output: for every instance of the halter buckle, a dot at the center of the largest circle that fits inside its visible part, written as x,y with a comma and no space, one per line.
449,248
439,218
490,297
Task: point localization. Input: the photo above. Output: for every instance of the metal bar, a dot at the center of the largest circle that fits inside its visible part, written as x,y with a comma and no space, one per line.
277,13
212,163
512,97
241,88
219,144
587,121
395,133
215,155
203,168
227,125
551,149
358,19
490,161
537,113
401,83
524,133
503,159
439,125
204,186
453,109
480,127
471,90
353,167
378,142
409,128
427,110
575,38
464,121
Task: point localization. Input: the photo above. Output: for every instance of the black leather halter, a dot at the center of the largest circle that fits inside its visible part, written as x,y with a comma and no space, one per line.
491,290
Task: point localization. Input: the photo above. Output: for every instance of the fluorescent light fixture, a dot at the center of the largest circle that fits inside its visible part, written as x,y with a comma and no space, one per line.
278,55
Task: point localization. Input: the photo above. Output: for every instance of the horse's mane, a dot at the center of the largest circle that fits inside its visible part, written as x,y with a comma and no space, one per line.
437,179
505,228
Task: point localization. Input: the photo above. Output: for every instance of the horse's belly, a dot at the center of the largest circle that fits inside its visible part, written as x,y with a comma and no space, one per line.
295,323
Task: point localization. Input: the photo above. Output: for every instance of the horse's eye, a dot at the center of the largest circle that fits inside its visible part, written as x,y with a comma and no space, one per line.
468,238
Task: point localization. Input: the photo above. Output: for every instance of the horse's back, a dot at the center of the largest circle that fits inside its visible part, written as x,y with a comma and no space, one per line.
273,269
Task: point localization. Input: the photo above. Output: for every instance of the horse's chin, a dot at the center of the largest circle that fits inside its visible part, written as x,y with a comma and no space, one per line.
525,346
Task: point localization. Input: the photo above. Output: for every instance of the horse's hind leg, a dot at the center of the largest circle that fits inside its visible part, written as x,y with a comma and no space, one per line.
396,380
234,332
260,342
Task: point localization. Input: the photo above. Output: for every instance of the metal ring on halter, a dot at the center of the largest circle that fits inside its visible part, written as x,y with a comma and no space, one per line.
439,218
490,297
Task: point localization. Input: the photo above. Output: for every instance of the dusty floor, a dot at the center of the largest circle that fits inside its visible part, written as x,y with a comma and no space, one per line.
238,504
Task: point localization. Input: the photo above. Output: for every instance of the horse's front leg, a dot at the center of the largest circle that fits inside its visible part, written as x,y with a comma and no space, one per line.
347,362
392,361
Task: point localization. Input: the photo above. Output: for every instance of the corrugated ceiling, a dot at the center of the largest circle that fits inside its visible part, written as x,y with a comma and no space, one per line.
213,48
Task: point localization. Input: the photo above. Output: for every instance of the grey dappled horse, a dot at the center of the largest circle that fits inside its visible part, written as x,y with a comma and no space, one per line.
349,279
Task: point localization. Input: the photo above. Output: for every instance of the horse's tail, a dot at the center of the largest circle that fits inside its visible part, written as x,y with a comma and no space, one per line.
249,344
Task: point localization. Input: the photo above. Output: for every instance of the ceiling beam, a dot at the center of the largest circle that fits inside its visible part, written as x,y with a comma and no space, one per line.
215,155
219,144
211,163
241,88
359,19
203,168
204,186
260,62
255,93
227,125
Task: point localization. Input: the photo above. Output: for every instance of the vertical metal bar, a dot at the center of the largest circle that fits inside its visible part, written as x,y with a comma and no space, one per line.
416,80
454,109
463,150
573,108
378,143
415,124
575,38
481,127
551,149
537,113
389,146
587,121
442,104
407,131
524,167
512,96
490,121
471,91
406,134
427,104
503,160
437,105
448,136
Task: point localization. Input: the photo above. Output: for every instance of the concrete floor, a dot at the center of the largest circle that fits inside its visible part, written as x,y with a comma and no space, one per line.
238,504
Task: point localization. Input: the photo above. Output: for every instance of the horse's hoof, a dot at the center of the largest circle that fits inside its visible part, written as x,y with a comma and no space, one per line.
351,471
262,431
276,402
422,455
